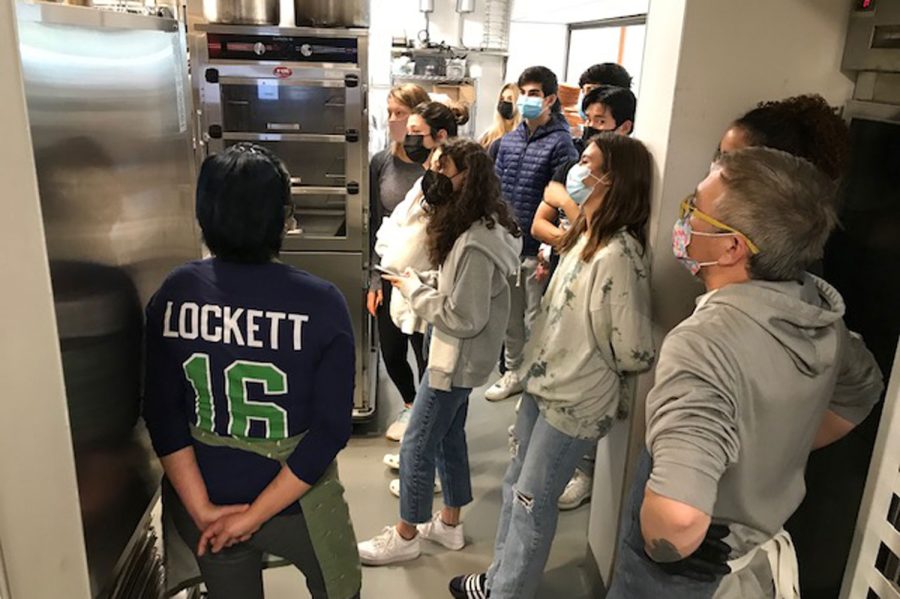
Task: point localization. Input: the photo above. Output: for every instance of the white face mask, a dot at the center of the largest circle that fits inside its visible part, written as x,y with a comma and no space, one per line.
577,190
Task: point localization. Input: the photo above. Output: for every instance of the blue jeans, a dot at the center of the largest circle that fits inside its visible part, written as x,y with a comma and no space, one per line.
636,576
543,461
436,435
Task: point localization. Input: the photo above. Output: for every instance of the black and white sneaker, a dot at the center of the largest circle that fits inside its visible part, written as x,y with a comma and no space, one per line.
470,586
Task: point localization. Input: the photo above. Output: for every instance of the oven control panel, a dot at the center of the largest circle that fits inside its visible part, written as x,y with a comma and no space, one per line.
255,48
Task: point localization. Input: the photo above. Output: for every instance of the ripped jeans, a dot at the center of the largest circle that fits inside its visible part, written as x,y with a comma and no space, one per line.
543,461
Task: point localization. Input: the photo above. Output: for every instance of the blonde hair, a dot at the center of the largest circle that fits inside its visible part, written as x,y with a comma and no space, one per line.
501,125
410,95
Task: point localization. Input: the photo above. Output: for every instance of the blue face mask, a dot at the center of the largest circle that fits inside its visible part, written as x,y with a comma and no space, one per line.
581,112
578,191
530,107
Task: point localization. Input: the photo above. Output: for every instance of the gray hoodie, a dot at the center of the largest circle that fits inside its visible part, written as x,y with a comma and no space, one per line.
467,302
741,389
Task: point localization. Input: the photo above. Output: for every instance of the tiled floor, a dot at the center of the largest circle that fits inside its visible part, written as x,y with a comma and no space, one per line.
372,507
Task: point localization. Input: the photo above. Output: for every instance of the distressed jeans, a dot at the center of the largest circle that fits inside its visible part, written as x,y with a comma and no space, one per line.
543,461
435,436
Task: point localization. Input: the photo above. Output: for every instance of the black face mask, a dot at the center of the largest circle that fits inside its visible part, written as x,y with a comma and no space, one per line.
437,188
414,146
506,109
589,132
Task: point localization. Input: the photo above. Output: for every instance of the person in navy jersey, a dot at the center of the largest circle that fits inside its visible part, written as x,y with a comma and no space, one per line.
249,392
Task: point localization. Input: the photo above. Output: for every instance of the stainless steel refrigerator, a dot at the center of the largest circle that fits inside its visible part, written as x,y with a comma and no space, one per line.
109,107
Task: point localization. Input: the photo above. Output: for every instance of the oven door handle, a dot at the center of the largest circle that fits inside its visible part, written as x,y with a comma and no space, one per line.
330,83
282,126
319,190
311,137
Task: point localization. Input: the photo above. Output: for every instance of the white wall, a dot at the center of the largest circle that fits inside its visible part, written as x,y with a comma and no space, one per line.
705,63
40,522
575,11
532,44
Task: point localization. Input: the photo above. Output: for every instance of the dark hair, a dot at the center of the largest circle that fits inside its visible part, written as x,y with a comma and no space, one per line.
241,198
547,80
627,202
620,102
607,73
805,126
440,116
479,199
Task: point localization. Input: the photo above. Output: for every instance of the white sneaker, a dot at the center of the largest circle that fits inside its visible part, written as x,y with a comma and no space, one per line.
397,428
388,548
577,492
508,385
450,537
391,460
394,487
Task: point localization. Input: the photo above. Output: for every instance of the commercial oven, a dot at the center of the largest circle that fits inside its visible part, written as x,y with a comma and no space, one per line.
301,92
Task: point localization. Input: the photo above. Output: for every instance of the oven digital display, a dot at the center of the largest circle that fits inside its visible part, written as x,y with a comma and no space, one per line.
283,49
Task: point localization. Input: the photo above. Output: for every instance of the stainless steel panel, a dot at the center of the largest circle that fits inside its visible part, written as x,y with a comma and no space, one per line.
108,101
886,113
871,39
332,13
348,272
263,30
242,12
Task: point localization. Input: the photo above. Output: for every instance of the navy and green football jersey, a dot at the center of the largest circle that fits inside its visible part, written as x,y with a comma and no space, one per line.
262,351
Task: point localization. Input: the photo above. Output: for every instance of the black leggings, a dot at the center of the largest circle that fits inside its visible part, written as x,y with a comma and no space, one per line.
394,350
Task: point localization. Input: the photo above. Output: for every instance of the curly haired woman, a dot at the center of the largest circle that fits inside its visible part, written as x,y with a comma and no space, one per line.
473,241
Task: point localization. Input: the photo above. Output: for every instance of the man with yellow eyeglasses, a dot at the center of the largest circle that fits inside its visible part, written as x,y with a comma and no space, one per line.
763,372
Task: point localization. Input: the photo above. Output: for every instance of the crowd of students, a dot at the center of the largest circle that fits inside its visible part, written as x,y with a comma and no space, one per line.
535,242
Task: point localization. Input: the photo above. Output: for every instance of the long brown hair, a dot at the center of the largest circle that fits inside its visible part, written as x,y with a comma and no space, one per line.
410,95
478,199
627,201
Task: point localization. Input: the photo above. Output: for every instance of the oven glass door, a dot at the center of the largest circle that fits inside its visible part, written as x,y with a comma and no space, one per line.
269,105
310,121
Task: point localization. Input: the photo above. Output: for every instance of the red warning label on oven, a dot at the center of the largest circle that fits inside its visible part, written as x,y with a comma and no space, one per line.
282,72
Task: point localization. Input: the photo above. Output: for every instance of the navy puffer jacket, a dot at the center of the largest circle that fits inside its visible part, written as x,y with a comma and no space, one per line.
526,165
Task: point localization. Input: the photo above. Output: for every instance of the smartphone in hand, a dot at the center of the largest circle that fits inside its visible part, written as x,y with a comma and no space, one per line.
387,271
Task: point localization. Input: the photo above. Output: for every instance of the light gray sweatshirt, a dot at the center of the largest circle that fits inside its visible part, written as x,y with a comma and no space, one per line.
741,389
467,302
